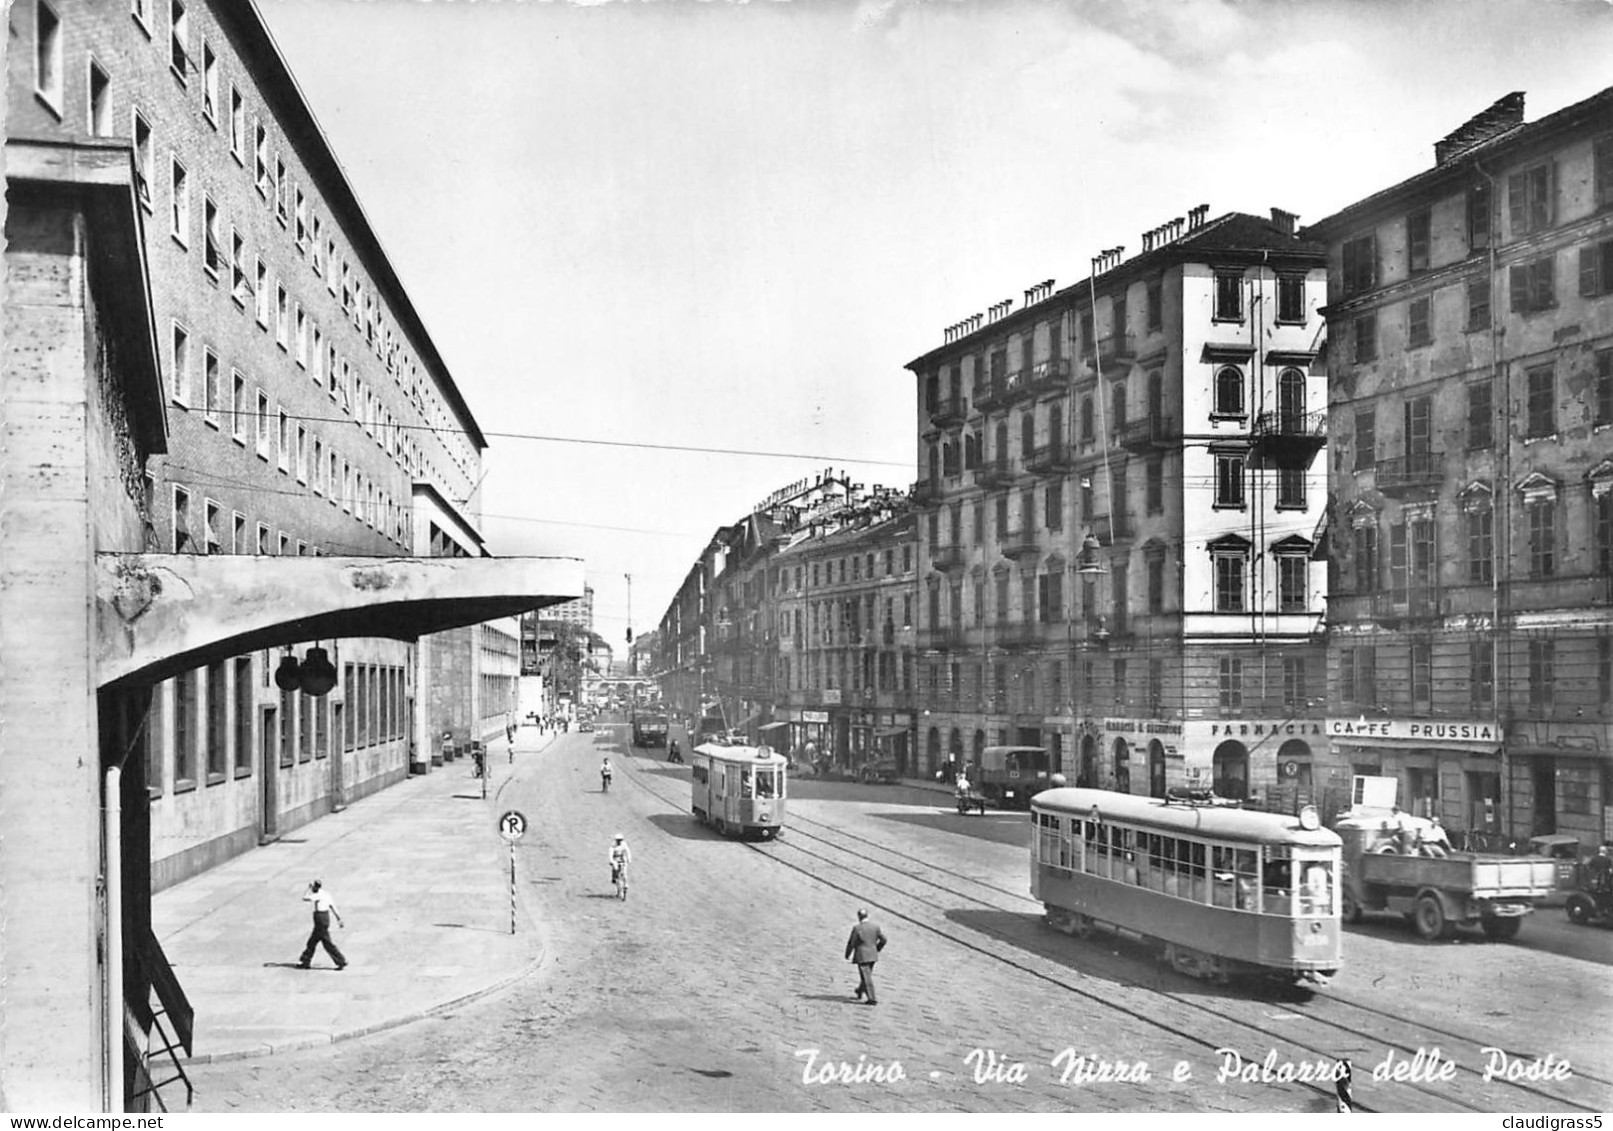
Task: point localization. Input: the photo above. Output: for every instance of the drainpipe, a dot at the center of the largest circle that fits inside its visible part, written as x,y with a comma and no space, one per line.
113,1014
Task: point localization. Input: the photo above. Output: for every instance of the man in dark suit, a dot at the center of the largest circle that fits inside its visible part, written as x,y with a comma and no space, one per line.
863,948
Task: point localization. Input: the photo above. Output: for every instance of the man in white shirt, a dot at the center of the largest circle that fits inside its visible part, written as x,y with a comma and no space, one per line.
324,908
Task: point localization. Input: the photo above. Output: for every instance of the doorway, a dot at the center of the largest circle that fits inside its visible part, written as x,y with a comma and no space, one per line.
1545,807
1156,768
269,744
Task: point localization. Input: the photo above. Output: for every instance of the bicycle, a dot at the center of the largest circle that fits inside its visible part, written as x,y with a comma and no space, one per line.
618,876
604,783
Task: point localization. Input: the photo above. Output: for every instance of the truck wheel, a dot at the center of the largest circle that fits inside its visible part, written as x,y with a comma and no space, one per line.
1502,930
1430,917
1352,909
1580,910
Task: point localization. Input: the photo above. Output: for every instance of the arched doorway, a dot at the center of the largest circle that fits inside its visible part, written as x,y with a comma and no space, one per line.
1294,774
980,746
932,751
1122,773
1089,762
1230,770
1156,768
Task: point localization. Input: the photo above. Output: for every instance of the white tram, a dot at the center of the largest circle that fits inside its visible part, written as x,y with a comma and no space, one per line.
1222,890
739,789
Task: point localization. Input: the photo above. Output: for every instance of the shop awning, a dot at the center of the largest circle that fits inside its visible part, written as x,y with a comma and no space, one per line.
889,732
772,726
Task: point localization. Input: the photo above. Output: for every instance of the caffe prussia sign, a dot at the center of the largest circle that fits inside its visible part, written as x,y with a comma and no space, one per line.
1435,731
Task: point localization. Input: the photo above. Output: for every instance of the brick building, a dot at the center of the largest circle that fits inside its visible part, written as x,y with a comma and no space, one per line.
1471,405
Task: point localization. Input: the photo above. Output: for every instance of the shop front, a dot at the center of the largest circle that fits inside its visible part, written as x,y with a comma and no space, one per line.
1142,756
1446,768
1271,763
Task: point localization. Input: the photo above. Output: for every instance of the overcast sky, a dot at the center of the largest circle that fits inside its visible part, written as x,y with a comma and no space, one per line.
727,225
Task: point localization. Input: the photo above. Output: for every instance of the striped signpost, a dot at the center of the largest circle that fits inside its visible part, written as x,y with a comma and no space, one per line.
512,826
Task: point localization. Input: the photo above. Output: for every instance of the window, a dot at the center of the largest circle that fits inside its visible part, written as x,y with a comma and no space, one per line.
100,101
1229,570
260,159
316,242
1596,269
1229,391
1542,518
265,425
1418,237
1364,332
262,291
1478,216
1603,412
1154,486
265,547
185,730
300,218
1294,695
282,315
1053,505
1366,444
284,434
1291,488
182,541
179,216
1481,544
237,124
1360,265
1086,419
1293,576
302,454
1155,305
301,337
1422,672
1542,673
179,41
1542,401
212,394
1530,197
142,158
238,407
1050,597
243,715
1480,416
1229,296
212,527
1478,303
212,240
281,204
1366,558
1290,298
1156,583
209,83
1231,687
1604,533
1419,331
179,359
1481,674
1532,286
1229,479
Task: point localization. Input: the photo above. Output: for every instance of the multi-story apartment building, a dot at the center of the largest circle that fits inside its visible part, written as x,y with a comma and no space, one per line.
579,612
308,410
1118,508
844,598
1471,404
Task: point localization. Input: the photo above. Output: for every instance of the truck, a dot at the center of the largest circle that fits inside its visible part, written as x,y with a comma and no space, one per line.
648,730
1436,890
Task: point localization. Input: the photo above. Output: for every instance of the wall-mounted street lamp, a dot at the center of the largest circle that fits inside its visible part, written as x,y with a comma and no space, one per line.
1088,563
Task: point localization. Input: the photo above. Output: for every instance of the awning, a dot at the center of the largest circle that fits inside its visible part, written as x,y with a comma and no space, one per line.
889,732
772,726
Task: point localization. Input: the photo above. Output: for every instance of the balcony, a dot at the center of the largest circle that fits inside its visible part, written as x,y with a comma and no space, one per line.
1019,543
1149,432
1414,474
1543,594
1050,459
945,638
948,412
1288,439
1116,352
1109,532
948,557
997,473
1018,634
924,492
991,395
1049,376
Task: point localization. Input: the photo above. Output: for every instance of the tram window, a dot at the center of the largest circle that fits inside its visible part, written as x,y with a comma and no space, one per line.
1066,847
1316,887
1277,882
764,783
746,789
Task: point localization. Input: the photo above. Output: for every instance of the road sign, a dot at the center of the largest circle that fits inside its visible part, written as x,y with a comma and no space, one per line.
512,826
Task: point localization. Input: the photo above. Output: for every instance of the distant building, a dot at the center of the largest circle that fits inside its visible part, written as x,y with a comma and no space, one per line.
1471,414
579,612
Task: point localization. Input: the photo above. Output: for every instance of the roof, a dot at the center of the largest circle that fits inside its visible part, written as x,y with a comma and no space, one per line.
1224,823
1592,111
1235,235
752,755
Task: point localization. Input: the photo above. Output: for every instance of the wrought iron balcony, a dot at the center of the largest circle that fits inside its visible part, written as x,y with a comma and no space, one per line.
1018,634
1019,543
943,638
1117,351
1149,432
924,492
1287,439
997,473
948,411
1050,375
948,557
1050,459
1419,472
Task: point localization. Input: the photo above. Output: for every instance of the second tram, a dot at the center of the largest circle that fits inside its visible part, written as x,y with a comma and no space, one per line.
1220,890
739,790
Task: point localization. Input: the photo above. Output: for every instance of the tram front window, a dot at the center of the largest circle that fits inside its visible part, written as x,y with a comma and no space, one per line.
1277,886
1316,888
766,783
746,784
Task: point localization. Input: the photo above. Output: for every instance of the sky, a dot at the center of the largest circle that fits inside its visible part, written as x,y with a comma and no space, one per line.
640,226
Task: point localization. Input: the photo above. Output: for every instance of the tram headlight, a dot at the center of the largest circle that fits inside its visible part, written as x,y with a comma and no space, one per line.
1309,818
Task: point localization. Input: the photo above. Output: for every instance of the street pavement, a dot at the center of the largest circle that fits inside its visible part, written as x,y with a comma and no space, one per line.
421,878
710,989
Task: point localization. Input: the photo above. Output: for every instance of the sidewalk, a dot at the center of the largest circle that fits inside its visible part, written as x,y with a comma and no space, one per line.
420,876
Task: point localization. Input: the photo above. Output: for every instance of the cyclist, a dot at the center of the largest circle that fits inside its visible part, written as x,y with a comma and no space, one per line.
605,776
620,857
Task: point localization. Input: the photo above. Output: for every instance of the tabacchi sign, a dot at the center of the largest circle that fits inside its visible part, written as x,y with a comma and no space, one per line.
1477,732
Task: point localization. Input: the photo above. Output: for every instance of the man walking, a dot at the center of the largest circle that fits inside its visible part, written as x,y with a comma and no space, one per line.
324,908
863,948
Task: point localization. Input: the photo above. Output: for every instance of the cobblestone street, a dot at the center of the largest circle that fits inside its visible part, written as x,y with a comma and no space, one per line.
720,983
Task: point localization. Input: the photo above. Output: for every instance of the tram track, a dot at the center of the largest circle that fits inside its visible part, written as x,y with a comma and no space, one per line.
1465,1085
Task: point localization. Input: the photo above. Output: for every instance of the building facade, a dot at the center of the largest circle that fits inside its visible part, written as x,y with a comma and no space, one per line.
1118,512
1471,405
579,612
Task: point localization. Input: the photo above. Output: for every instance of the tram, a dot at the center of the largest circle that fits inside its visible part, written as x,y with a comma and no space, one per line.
739,790
1220,890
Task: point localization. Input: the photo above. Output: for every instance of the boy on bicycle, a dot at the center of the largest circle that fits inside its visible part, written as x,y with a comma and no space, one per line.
605,775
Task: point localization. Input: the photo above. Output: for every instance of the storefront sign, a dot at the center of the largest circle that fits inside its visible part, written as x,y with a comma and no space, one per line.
1426,732
1243,729
814,716
1142,726
831,696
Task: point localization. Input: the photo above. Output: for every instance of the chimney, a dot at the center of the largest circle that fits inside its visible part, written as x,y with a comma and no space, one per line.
1195,216
1284,222
1501,116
